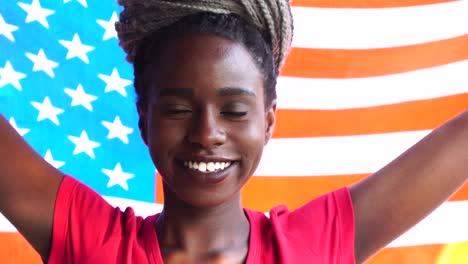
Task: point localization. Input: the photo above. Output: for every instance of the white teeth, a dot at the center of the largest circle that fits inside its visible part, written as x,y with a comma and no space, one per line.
202,166
210,166
207,166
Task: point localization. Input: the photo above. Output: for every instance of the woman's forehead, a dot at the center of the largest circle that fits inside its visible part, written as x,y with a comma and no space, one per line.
206,61
194,47
188,92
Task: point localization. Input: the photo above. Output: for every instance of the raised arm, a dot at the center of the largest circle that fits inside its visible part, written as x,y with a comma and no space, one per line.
401,194
28,187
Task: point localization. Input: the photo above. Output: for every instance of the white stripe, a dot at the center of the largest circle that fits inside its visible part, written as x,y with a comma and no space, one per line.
366,28
5,225
334,155
143,209
305,93
447,224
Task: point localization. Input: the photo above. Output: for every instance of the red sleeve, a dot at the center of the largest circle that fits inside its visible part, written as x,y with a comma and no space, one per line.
325,226
84,222
345,210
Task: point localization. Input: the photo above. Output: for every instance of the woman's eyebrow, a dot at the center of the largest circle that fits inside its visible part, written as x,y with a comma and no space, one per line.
233,91
178,92
186,92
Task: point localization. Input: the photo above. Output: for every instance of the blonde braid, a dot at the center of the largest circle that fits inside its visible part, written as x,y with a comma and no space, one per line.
141,18
271,26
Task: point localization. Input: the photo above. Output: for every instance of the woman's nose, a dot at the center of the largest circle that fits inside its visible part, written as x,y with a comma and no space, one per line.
207,130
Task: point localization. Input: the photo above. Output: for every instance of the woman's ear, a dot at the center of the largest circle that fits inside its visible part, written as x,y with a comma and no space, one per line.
270,121
142,124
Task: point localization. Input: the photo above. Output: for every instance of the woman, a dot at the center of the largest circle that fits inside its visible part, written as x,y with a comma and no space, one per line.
205,75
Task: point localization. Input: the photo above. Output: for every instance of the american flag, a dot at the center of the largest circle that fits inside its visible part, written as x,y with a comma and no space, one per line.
364,81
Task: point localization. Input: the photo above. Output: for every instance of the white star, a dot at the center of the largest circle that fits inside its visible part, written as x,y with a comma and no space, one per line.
84,145
8,75
21,131
6,29
77,49
80,97
41,63
47,111
118,177
109,26
48,157
118,130
82,2
115,83
36,13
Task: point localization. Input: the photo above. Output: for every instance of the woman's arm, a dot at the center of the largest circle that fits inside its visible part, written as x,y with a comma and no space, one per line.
405,191
28,188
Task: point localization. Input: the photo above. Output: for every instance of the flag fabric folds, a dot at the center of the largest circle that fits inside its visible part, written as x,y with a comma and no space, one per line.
365,80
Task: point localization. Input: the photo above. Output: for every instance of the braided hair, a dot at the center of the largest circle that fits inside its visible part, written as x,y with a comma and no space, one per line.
264,27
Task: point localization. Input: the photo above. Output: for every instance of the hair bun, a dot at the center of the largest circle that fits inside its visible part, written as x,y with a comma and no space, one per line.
141,18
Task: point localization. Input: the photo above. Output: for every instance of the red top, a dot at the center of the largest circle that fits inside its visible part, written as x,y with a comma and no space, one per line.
87,229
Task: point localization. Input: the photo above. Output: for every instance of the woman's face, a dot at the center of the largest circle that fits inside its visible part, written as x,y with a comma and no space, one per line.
206,122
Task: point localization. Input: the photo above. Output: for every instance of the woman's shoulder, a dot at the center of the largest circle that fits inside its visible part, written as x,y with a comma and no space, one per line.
320,231
85,224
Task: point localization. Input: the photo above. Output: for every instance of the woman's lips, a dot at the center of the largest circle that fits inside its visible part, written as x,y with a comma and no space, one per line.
207,172
207,166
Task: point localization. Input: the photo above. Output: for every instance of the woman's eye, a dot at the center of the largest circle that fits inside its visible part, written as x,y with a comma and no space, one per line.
179,111
235,110
234,113
175,111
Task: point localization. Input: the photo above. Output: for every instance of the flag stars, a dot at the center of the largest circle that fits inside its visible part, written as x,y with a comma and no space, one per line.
48,157
115,83
109,27
82,2
36,13
118,130
21,131
47,111
80,97
118,177
7,29
84,145
8,75
76,49
41,63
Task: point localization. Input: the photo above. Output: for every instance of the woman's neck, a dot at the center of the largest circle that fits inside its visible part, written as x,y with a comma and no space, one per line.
219,230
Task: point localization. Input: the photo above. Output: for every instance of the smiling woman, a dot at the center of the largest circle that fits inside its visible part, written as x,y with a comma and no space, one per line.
205,79
206,123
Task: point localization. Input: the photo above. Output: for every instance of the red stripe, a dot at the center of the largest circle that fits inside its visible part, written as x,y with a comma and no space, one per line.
15,249
408,116
427,254
332,63
263,193
365,4
159,189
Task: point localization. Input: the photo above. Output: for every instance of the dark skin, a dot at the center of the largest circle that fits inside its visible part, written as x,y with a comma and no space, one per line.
211,110
207,104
